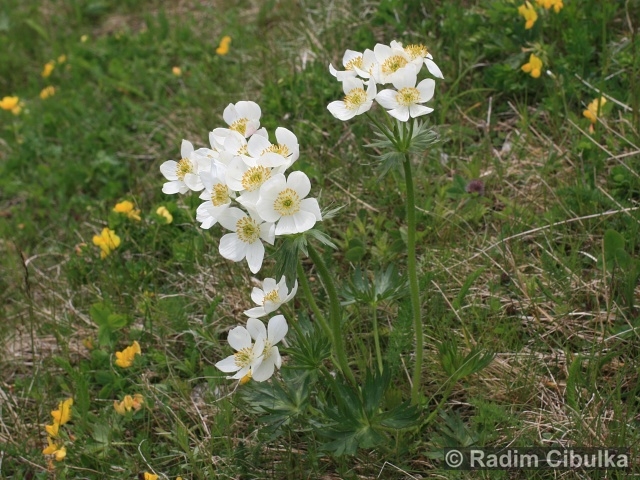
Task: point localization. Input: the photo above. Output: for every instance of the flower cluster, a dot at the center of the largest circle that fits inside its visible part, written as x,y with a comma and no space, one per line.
108,241
243,184
128,403
60,416
530,15
385,64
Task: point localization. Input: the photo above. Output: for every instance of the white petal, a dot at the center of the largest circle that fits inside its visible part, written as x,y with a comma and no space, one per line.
228,364
405,77
299,182
186,149
255,255
278,328
304,221
401,113
250,110
339,110
433,68
193,182
418,110
256,328
230,114
268,232
255,312
265,370
257,144
311,205
269,284
239,338
174,187
229,218
286,226
168,169
426,88
257,295
232,248
387,98
293,292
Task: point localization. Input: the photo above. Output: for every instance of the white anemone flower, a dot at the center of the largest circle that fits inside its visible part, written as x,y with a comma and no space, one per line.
281,154
243,117
247,179
391,61
217,195
283,200
419,53
356,100
350,61
274,333
270,297
405,102
368,66
248,356
246,239
183,174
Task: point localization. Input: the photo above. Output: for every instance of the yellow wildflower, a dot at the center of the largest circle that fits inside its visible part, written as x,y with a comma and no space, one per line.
529,14
88,343
124,359
246,378
48,68
163,212
594,109
60,454
9,103
63,414
176,71
47,92
62,59
150,476
107,241
84,38
127,208
547,4
534,67
223,48
54,449
53,429
128,403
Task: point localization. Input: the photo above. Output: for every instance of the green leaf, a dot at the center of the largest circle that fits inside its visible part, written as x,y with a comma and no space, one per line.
614,252
457,303
100,313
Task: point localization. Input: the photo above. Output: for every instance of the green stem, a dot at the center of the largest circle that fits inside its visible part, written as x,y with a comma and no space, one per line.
413,280
304,283
335,311
376,336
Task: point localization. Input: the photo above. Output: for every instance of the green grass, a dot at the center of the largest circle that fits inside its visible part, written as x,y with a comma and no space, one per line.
523,270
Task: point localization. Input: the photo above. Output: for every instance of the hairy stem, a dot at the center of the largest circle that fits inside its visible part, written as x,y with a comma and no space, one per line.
304,283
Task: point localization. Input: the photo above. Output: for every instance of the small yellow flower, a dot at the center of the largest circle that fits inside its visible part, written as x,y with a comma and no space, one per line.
150,476
594,109
529,14
129,403
107,241
62,59
246,378
176,71
53,429
124,359
128,209
163,212
47,92
534,67
223,48
63,414
60,454
84,38
48,68
547,4
54,449
9,103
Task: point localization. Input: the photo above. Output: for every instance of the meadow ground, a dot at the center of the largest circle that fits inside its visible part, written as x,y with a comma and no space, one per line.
528,225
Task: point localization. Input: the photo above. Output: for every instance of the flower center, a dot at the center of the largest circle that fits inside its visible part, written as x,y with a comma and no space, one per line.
407,96
184,166
355,62
220,194
416,51
279,149
243,150
272,296
355,98
243,357
393,64
247,230
287,202
266,353
240,125
254,177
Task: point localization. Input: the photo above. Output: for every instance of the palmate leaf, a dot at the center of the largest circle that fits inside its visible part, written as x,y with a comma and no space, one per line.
358,418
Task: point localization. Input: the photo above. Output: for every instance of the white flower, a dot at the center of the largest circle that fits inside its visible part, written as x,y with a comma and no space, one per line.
183,175
243,117
391,62
419,52
216,193
269,336
350,61
282,154
248,180
283,200
245,241
356,100
248,356
405,102
270,297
